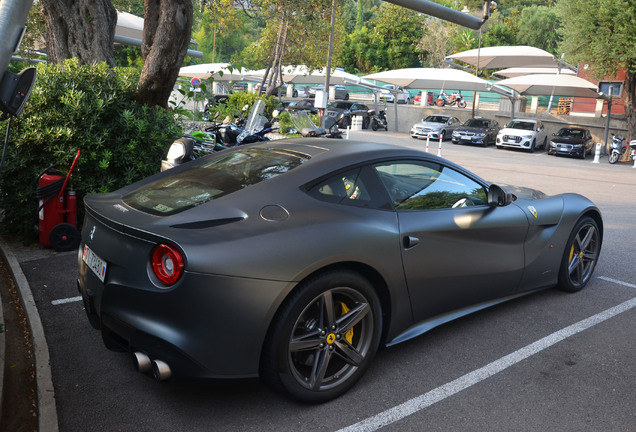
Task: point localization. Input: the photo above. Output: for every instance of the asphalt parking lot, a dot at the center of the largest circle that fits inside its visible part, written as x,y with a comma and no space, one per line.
548,361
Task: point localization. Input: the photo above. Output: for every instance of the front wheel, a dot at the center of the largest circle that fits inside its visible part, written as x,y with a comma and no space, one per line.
461,104
614,156
324,337
365,122
374,125
580,256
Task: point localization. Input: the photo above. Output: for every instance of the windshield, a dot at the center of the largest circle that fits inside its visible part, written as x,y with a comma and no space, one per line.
570,133
436,119
340,105
476,123
211,179
523,125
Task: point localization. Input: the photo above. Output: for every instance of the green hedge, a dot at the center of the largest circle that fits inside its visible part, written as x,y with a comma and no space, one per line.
90,108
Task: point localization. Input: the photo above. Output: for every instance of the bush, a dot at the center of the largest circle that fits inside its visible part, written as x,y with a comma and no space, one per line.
90,108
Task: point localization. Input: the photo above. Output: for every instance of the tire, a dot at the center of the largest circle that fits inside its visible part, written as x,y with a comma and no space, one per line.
461,104
346,96
374,125
580,255
533,147
331,324
295,94
439,102
365,122
346,121
614,157
64,237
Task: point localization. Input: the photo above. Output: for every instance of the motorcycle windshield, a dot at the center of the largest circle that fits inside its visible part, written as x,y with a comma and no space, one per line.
256,119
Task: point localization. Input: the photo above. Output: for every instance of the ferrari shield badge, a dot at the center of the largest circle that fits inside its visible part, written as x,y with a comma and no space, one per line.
533,211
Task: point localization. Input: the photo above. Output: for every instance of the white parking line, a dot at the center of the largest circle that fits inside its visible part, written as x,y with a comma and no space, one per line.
67,300
421,402
629,285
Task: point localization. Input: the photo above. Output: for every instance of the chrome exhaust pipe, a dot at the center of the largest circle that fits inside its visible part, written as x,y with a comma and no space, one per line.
161,370
142,362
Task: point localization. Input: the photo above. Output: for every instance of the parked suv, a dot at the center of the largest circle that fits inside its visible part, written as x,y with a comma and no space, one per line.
403,96
527,134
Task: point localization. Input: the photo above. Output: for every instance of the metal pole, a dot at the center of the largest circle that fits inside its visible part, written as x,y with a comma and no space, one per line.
328,71
607,120
13,15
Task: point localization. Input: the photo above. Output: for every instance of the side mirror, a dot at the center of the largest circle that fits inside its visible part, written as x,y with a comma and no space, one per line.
15,90
498,196
275,113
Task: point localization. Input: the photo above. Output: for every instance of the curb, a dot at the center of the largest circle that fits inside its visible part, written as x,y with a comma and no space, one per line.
47,413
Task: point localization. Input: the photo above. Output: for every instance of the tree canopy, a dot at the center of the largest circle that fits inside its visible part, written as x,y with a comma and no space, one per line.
603,34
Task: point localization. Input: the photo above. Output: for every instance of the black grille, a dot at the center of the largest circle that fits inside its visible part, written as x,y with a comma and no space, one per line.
516,139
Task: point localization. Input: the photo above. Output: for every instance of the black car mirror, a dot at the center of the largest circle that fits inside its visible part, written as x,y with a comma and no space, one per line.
498,196
15,90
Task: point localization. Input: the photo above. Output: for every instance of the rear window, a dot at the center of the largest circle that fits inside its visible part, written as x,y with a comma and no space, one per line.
211,179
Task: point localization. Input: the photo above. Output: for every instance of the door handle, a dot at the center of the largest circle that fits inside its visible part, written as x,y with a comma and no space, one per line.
410,242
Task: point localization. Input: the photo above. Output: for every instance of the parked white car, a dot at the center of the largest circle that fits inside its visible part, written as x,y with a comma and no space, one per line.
527,134
403,95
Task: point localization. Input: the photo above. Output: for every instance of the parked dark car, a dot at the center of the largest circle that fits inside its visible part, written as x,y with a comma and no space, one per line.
295,260
571,141
303,105
343,113
478,131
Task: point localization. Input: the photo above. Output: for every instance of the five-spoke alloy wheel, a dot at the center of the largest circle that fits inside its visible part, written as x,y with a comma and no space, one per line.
581,254
324,337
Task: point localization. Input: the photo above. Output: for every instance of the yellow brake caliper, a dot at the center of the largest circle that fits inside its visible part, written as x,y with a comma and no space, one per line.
349,333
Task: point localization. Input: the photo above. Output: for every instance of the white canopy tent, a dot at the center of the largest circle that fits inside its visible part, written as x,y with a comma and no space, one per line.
434,78
551,85
129,31
217,71
500,57
431,78
519,71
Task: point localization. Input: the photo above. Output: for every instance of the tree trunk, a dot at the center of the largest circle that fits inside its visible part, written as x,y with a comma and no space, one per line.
629,98
167,32
84,29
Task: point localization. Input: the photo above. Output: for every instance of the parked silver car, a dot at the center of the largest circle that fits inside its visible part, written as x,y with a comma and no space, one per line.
438,126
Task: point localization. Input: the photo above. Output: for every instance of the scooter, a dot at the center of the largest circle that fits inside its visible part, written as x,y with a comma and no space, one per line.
617,148
378,121
632,146
455,98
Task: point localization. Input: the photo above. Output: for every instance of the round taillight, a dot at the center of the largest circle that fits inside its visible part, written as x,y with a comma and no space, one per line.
167,263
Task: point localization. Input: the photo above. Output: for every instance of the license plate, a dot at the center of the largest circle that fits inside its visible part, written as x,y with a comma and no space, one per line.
95,263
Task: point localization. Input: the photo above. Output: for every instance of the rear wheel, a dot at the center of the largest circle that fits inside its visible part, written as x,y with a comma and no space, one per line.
324,337
374,125
580,256
365,122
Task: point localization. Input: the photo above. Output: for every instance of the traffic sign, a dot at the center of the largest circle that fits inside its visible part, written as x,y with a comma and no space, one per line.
195,82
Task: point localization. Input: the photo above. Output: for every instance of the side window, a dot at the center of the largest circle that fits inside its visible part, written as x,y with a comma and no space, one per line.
346,188
415,185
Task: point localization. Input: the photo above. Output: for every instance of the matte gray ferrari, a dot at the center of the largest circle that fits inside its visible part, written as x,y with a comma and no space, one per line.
294,260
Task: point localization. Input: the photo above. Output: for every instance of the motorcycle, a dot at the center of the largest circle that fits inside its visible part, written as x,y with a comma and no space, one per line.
307,128
632,146
218,136
378,121
455,98
617,148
